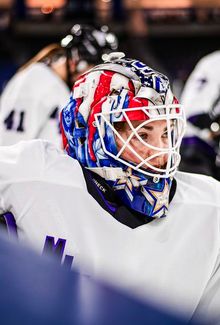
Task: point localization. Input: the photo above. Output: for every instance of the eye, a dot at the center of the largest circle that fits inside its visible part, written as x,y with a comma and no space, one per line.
143,136
165,135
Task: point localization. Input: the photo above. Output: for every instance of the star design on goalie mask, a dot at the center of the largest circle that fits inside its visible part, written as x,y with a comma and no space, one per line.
158,199
127,182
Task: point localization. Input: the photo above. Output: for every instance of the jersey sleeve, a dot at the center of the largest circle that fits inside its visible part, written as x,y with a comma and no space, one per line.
42,110
202,87
208,308
30,105
23,162
53,105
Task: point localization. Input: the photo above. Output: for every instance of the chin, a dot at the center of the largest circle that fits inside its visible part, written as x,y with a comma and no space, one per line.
153,171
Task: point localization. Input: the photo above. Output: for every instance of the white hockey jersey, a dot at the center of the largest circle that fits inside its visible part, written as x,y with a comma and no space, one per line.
30,105
202,88
174,260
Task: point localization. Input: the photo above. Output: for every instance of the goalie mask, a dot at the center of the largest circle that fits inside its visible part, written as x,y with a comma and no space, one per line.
124,124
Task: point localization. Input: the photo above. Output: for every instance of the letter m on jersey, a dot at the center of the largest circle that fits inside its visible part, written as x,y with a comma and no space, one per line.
57,249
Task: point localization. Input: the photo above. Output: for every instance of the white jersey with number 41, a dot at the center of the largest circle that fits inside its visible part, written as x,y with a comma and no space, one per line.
30,105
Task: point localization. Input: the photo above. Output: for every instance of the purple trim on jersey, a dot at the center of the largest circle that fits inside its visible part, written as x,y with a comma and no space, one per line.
109,206
193,119
11,224
57,248
68,260
199,144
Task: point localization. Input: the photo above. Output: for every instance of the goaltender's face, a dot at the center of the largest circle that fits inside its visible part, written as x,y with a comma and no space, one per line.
154,133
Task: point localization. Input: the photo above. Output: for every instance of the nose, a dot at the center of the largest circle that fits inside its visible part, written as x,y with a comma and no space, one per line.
161,159
158,142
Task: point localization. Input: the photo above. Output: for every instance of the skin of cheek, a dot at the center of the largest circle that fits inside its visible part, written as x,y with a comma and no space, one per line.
155,137
127,154
142,150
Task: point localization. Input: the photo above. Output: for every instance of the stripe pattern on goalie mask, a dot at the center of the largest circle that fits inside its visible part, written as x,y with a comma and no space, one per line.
109,87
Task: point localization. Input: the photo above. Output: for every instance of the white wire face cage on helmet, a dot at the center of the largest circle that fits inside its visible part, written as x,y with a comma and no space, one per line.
124,124
173,119
127,92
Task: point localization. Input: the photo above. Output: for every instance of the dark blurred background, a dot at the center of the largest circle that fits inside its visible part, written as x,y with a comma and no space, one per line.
170,35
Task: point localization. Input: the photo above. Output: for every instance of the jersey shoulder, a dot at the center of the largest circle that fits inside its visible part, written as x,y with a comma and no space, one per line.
21,161
45,74
198,189
34,82
202,86
53,89
39,160
208,60
207,68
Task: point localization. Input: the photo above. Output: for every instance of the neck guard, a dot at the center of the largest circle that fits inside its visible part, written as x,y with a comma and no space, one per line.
149,196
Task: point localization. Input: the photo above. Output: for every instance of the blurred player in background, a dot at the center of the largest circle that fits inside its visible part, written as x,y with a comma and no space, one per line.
115,207
200,148
31,101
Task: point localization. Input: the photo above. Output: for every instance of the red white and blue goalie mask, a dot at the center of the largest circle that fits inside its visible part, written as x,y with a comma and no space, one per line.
125,90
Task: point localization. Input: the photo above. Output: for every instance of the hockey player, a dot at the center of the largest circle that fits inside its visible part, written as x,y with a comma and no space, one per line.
201,98
33,98
116,203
